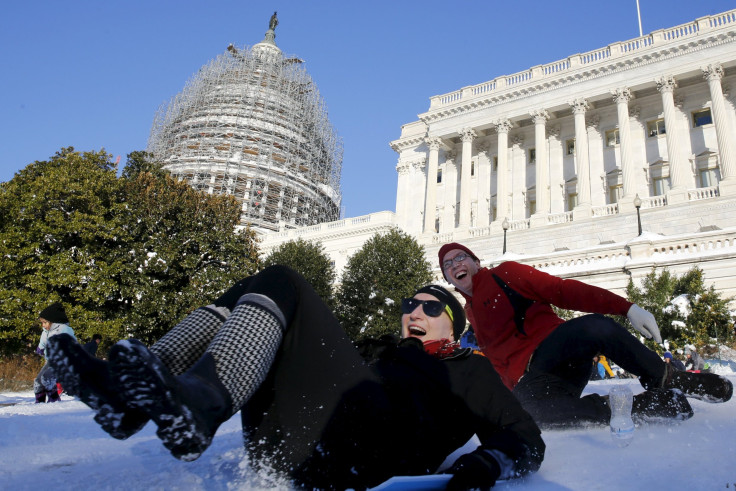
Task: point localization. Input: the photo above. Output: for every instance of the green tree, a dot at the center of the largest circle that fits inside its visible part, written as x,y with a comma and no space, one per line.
309,259
386,269
126,256
140,161
687,311
710,318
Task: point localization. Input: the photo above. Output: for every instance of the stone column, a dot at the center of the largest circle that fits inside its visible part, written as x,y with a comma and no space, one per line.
483,194
467,135
539,118
713,74
621,97
556,179
502,206
584,208
449,198
680,174
595,161
403,207
430,199
415,196
518,193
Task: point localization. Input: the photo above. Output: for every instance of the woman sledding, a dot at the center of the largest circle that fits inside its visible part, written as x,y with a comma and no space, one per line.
311,405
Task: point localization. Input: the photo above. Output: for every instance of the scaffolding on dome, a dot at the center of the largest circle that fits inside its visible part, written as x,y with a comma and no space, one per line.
252,124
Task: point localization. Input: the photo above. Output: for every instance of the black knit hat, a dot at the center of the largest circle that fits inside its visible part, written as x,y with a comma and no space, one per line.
458,314
54,313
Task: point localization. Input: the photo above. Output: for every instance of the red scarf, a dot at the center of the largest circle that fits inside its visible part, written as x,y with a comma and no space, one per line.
441,348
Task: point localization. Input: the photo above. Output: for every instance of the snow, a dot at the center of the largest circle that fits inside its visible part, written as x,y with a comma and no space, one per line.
59,446
681,303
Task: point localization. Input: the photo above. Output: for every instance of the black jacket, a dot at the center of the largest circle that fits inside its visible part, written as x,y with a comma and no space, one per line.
90,347
443,403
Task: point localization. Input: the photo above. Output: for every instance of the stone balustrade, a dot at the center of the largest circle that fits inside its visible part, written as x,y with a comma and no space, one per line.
557,218
383,218
633,47
654,201
702,193
605,210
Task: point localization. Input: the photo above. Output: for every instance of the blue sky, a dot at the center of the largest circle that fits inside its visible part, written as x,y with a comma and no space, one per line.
91,74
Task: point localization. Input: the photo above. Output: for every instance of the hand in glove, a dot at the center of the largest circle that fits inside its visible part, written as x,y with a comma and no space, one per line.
644,322
474,470
39,351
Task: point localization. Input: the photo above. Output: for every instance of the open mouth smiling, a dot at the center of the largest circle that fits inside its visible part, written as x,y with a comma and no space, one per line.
417,331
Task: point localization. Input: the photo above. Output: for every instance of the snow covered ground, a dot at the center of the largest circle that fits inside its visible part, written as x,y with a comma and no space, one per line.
59,446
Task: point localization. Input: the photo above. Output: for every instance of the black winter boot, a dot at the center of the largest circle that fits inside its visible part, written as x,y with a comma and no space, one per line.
188,409
708,387
40,397
658,405
53,395
88,378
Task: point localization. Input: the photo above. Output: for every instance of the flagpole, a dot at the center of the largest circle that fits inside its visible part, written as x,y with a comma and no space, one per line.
638,13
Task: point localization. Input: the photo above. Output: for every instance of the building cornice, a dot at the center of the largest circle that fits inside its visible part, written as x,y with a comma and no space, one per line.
403,144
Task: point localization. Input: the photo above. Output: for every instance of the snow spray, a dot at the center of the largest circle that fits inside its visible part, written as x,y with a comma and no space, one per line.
620,398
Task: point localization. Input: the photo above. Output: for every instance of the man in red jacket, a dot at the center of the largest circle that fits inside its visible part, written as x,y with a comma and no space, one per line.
545,360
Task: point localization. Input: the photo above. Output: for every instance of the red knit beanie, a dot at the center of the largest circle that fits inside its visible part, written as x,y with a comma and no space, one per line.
449,247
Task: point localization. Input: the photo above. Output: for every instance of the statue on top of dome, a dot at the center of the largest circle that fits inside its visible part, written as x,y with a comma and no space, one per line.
273,22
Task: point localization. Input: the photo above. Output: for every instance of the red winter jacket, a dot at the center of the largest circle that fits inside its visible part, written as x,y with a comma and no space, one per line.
511,312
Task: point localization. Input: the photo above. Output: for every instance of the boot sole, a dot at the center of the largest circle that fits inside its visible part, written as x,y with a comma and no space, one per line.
699,393
113,419
149,387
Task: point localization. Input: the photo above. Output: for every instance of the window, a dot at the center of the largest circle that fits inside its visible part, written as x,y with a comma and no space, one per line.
612,138
495,163
614,193
532,207
532,155
572,201
660,185
702,117
708,174
436,225
708,177
655,128
570,146
439,176
472,169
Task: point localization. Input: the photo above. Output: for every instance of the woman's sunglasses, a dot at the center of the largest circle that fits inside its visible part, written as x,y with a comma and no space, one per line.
432,308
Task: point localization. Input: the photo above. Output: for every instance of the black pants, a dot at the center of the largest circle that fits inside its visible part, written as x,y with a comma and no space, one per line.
322,415
560,367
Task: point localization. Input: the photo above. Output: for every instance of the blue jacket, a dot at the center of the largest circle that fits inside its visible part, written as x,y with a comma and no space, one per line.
601,371
53,331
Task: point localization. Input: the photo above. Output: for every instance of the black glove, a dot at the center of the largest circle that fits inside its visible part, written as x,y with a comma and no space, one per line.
371,349
477,470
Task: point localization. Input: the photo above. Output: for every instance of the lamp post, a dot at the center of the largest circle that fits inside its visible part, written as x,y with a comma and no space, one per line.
637,204
505,226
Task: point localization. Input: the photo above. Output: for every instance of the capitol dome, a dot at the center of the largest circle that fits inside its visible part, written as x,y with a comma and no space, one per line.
252,124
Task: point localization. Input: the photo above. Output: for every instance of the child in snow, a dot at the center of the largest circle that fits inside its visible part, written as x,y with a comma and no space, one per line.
693,360
53,322
668,358
312,405
546,361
